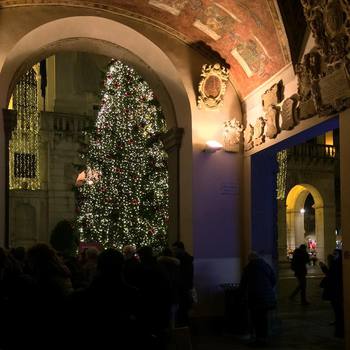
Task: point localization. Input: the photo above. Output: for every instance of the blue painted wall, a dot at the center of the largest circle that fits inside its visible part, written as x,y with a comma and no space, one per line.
263,184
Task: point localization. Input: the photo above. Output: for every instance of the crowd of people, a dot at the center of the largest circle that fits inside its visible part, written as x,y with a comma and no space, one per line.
130,298
52,299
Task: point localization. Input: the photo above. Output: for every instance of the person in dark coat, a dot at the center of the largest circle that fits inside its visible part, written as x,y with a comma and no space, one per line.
333,289
171,267
186,283
257,287
108,310
299,261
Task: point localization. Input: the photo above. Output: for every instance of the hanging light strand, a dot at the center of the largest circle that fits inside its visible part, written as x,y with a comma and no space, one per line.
24,142
282,174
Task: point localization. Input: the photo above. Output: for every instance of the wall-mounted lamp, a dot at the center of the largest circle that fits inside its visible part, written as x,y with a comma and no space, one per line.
302,211
212,146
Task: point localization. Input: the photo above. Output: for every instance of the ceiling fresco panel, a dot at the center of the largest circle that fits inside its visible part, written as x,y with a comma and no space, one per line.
248,34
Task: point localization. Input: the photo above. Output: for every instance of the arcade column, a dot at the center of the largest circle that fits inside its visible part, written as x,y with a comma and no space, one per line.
344,130
10,122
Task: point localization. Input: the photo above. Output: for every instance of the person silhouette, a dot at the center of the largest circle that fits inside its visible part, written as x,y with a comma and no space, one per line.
298,265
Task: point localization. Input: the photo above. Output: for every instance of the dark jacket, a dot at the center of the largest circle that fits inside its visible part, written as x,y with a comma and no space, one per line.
299,261
257,285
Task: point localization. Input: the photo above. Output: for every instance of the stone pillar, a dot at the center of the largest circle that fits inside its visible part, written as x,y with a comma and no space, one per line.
10,122
299,229
329,227
344,132
320,232
290,228
172,142
246,224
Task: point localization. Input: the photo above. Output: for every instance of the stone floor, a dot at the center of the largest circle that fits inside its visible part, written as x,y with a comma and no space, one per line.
293,326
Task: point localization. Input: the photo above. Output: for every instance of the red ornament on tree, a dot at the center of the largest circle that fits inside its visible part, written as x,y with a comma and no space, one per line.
135,201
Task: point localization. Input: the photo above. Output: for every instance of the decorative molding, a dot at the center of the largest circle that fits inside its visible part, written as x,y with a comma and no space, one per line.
278,24
212,86
232,135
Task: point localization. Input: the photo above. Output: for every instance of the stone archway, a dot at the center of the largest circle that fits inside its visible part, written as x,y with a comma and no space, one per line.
106,37
295,219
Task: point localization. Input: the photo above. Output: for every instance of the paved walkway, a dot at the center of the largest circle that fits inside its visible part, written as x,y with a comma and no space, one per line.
294,327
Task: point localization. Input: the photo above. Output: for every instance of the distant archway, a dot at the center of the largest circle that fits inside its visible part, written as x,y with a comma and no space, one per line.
295,203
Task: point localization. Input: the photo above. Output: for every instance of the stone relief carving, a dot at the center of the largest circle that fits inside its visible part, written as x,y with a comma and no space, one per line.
259,128
272,96
212,86
329,21
327,65
248,137
272,122
232,135
289,113
308,76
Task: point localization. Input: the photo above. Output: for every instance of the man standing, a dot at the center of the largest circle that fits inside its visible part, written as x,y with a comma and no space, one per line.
299,261
257,289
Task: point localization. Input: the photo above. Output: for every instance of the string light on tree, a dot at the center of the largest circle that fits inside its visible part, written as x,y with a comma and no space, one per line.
123,194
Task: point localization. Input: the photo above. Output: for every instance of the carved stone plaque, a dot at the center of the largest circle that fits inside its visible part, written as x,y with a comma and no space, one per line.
272,96
304,82
232,135
212,86
248,137
289,113
334,87
272,122
259,127
306,109
329,23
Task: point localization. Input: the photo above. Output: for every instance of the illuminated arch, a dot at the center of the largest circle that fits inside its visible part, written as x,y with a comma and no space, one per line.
112,39
295,220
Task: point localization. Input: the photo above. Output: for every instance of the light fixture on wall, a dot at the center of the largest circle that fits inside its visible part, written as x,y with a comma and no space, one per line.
302,211
212,146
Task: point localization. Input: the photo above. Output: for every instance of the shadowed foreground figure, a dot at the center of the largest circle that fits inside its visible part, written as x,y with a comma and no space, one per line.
333,289
107,311
185,284
299,261
257,288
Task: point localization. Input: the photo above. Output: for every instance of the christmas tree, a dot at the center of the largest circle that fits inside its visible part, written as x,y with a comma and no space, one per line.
124,196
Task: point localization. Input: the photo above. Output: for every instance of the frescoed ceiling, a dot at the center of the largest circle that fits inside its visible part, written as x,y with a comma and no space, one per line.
247,34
